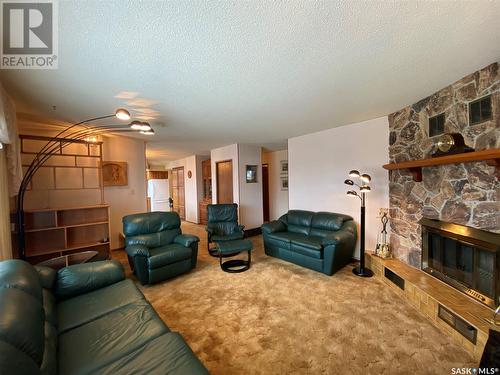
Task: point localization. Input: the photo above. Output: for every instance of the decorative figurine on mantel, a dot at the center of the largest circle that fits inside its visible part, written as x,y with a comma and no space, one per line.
383,249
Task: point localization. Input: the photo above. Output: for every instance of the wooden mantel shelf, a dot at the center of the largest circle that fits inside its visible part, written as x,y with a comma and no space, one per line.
492,156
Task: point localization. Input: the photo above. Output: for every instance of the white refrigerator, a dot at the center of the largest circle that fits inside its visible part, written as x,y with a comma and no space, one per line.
159,193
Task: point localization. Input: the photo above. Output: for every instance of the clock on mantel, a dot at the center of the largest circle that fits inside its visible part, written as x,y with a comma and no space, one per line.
450,144
491,156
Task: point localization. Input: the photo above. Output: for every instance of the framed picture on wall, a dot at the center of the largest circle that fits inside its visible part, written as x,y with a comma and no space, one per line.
284,167
114,173
251,174
284,183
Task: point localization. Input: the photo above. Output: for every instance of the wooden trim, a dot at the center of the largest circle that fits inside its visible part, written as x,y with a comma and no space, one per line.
491,156
68,208
65,140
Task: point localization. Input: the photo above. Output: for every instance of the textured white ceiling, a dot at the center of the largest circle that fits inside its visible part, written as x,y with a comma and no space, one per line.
210,73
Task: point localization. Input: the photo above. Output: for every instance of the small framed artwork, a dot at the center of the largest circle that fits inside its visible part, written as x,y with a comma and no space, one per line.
251,174
114,173
284,183
284,167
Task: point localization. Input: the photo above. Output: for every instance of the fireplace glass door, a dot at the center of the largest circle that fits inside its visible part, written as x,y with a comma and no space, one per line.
466,263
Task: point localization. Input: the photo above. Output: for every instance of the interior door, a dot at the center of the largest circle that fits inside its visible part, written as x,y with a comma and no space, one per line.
182,198
265,191
178,191
224,175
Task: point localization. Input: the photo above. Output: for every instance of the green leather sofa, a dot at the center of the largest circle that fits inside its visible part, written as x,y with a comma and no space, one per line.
83,319
321,241
156,248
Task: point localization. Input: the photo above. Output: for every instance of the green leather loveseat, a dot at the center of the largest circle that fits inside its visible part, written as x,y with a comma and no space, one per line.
321,241
83,319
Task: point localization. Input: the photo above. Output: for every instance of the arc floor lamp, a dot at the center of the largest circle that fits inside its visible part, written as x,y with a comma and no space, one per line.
81,131
363,188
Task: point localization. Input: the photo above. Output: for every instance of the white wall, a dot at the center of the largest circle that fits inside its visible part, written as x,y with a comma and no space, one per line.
221,154
319,164
251,212
278,199
125,200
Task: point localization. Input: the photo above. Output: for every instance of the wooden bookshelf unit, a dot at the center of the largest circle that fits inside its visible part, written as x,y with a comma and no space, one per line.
54,232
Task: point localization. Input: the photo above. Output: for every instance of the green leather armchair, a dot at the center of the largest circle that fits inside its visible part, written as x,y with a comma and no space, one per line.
321,241
156,248
222,224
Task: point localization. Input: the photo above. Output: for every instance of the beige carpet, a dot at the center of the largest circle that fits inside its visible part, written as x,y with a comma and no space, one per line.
279,318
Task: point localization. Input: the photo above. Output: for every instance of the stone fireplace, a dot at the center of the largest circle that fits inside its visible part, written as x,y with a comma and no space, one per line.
464,193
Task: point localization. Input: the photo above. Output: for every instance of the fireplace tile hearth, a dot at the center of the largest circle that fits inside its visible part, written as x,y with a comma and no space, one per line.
426,294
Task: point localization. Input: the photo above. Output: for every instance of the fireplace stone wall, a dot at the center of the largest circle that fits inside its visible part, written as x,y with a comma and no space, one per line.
466,194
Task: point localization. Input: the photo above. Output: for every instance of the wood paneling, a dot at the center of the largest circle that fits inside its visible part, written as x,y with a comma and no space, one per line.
206,178
178,195
224,173
157,175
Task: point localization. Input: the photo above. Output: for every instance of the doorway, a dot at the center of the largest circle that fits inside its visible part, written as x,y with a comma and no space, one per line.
224,175
265,191
178,196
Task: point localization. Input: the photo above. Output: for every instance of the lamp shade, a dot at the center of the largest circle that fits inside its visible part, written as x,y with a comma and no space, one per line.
349,182
148,132
366,178
145,127
122,114
352,193
365,189
136,125
354,173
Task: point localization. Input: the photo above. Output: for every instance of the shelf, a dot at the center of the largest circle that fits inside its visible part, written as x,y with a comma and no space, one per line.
63,250
83,246
67,208
492,156
66,226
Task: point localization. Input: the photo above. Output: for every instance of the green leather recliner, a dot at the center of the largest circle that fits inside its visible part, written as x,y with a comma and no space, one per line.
321,241
222,224
83,319
156,248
